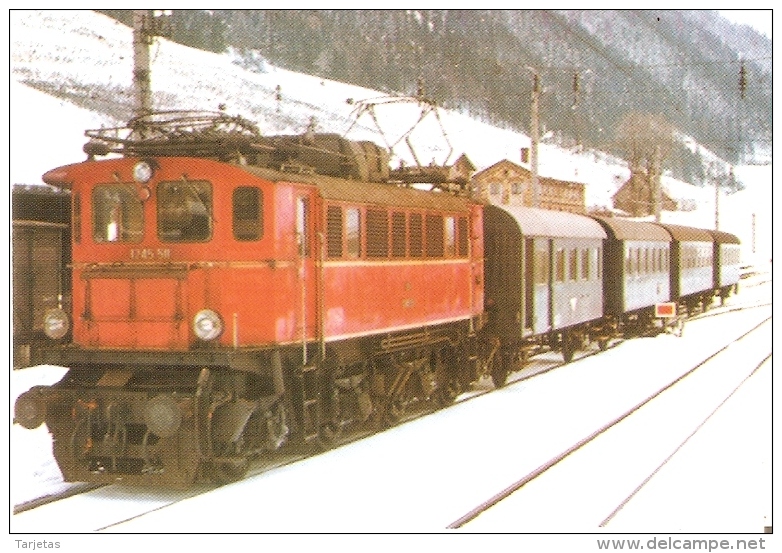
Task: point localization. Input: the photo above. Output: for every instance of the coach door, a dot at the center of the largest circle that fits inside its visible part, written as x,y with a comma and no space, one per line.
306,252
541,319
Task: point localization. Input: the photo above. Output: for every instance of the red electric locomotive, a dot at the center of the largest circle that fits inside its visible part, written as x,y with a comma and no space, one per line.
228,297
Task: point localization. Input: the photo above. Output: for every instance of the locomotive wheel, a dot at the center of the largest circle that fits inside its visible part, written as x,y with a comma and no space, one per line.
328,435
499,371
447,394
225,472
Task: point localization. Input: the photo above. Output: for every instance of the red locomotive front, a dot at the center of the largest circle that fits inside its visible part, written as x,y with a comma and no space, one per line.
223,308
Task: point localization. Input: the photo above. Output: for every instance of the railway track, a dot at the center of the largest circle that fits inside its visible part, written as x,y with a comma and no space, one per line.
543,469
539,366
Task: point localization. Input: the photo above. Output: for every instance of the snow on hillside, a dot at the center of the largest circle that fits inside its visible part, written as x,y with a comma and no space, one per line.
81,53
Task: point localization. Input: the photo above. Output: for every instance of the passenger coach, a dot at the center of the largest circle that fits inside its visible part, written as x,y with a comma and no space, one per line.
637,261
543,280
692,267
727,260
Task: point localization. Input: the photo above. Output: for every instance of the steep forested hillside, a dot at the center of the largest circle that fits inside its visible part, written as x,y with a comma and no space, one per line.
596,67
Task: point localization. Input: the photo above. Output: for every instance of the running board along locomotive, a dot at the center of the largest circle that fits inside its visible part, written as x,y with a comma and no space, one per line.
234,293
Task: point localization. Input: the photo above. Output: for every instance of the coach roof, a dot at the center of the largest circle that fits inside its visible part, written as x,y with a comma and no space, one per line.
688,234
626,229
542,222
721,237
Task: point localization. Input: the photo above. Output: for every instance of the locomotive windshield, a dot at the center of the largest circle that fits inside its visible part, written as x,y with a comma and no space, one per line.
117,214
184,211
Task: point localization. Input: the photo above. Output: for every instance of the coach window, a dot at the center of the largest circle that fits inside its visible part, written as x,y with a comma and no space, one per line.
559,265
353,232
247,213
585,273
541,265
117,214
597,254
637,261
184,211
573,262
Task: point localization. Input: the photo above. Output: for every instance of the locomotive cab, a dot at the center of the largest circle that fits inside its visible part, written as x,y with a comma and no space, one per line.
170,259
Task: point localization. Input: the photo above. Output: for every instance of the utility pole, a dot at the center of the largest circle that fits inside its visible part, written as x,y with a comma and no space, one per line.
655,177
141,82
147,24
535,139
717,179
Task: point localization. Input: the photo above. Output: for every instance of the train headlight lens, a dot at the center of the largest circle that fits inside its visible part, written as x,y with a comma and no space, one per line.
56,324
30,410
163,416
207,325
142,172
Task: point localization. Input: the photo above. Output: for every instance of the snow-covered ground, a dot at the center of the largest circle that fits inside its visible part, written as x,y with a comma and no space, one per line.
436,468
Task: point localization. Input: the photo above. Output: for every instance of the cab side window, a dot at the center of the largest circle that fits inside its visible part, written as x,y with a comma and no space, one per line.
247,213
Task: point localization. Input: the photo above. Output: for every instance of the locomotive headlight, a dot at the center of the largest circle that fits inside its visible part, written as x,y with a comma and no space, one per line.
55,323
30,410
163,416
207,325
142,172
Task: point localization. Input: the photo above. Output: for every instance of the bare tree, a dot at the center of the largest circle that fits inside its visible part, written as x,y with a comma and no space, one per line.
647,139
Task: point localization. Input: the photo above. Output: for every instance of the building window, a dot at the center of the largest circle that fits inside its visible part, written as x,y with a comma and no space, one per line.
494,188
